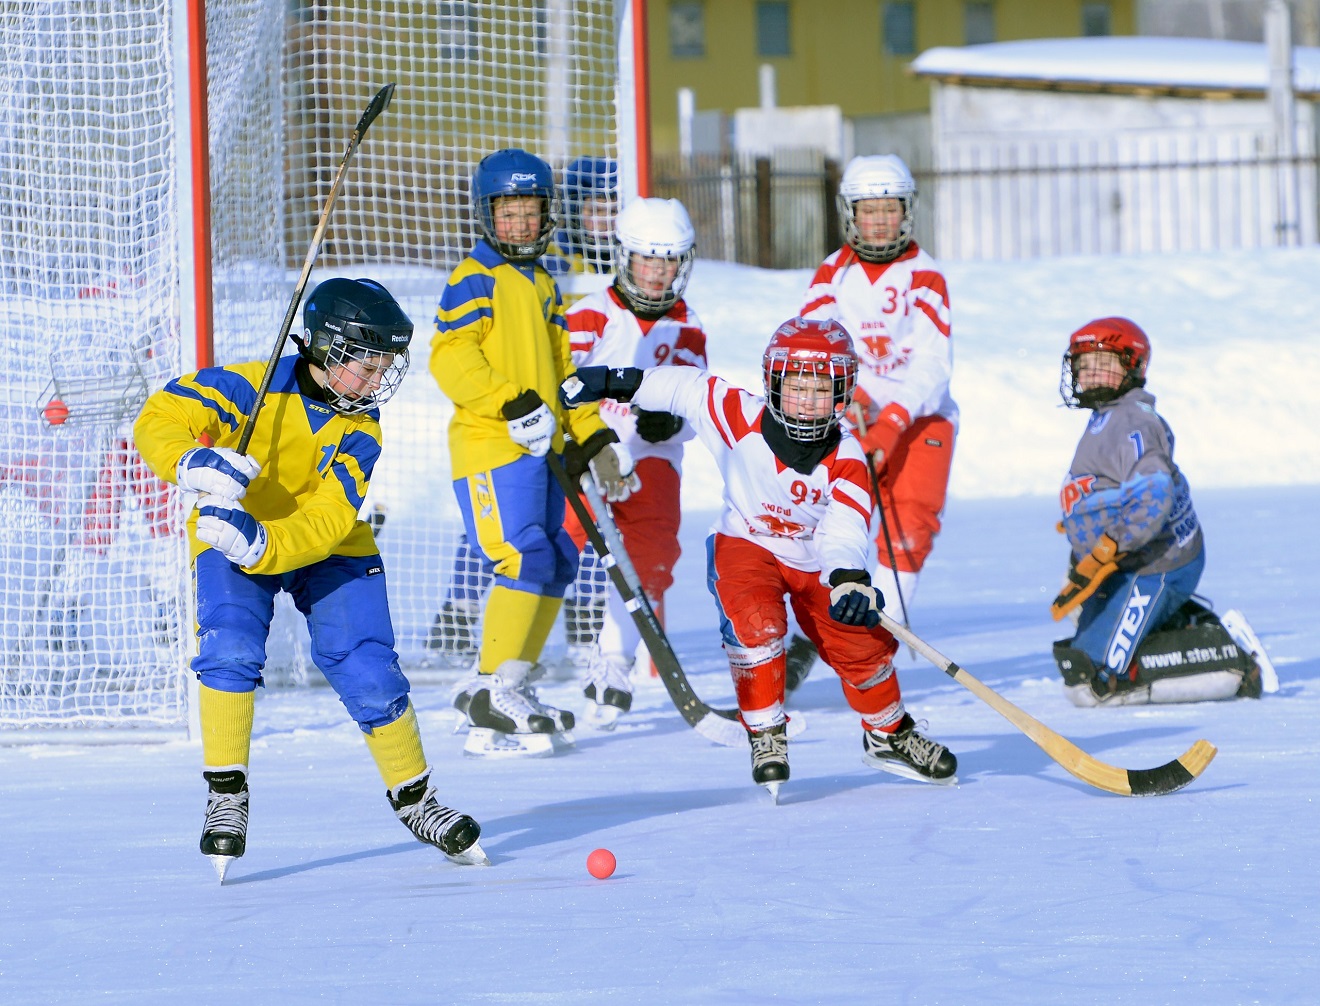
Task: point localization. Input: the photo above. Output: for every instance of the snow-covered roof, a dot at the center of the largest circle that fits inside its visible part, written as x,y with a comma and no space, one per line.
1172,65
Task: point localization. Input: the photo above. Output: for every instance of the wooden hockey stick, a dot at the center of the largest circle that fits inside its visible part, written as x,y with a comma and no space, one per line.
378,104
860,422
720,726
1167,778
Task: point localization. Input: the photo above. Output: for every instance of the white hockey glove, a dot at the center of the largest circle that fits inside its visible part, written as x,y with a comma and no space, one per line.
614,472
853,601
216,470
531,423
230,530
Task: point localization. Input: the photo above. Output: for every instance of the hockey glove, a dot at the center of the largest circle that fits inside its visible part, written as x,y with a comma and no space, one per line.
591,384
531,423
880,440
657,427
230,530
216,470
853,601
1085,576
614,472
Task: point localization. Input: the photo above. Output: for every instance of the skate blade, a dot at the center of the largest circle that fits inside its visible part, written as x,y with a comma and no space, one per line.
601,717
1237,626
772,787
896,766
221,864
473,855
482,742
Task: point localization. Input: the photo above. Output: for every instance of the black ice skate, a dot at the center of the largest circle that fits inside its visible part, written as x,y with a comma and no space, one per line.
798,662
224,830
453,833
506,719
769,758
608,691
907,753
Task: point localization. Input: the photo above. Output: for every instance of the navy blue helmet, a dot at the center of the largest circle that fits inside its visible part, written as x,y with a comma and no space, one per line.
356,333
515,172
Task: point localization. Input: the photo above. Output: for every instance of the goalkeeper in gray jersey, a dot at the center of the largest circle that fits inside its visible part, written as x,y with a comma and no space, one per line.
1137,546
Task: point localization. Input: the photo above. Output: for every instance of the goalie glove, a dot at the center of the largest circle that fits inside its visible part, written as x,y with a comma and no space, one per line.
230,530
531,423
591,384
217,471
1085,576
657,427
853,601
614,472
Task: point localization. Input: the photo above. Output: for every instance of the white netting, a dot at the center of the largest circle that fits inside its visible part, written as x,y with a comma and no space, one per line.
93,617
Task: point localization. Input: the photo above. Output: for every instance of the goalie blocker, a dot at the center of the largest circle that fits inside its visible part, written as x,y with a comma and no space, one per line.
1192,659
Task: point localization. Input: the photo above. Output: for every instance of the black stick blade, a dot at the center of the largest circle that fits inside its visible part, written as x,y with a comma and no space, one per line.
378,104
1175,775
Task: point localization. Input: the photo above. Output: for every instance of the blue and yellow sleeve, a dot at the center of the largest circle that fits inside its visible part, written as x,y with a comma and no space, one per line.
463,320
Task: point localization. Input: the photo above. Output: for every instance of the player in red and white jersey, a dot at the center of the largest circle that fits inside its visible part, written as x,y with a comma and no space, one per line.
640,321
892,298
795,523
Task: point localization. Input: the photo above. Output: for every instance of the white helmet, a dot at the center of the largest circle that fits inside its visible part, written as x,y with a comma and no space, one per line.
878,176
653,228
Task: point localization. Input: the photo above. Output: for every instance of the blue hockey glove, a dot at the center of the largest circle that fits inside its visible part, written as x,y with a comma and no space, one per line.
230,530
216,470
591,384
853,601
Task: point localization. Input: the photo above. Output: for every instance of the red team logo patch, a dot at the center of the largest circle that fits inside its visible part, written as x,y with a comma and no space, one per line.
1072,492
779,526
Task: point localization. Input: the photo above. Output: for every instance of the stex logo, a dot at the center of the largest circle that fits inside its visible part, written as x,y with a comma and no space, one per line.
1133,617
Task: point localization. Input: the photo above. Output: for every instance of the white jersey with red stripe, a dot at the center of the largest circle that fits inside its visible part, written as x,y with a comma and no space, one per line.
814,522
898,316
604,333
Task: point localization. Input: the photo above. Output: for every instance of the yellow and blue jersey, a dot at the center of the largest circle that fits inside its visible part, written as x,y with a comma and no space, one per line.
316,463
500,331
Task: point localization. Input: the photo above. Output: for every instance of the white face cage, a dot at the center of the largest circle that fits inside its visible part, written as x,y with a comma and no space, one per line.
639,298
359,379
876,251
840,369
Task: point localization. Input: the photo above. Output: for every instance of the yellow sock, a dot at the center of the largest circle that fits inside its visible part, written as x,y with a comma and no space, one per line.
508,625
226,726
542,622
397,748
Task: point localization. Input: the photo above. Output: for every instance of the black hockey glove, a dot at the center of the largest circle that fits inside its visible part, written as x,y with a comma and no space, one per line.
656,427
853,601
578,455
591,384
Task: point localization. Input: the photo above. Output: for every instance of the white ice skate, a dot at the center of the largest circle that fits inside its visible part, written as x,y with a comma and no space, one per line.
1237,626
608,690
505,718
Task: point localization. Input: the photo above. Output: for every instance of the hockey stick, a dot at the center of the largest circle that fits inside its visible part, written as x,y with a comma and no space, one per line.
717,725
378,104
1167,778
860,422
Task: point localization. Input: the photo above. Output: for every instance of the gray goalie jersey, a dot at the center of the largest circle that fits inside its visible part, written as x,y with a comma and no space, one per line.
1123,483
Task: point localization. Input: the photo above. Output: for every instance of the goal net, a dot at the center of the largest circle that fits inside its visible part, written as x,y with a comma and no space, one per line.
98,305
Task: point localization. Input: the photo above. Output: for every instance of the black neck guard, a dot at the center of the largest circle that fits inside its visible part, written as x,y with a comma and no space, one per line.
801,457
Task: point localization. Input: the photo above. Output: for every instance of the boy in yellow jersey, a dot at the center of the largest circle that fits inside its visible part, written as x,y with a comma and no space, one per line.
499,352
284,517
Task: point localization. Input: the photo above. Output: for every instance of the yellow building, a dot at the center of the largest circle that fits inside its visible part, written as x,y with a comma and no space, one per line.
849,53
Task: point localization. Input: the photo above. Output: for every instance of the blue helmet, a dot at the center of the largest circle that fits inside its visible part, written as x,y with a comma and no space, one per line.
514,172
357,334
595,179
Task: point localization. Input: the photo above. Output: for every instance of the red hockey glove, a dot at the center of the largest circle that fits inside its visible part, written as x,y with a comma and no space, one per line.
1085,576
879,441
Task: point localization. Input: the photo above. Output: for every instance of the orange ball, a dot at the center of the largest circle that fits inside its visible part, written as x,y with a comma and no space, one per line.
601,863
55,412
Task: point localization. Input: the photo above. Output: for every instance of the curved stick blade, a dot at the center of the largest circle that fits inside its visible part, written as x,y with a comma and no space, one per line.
1173,776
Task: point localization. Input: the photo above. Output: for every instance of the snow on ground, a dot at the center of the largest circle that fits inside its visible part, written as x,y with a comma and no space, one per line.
1019,885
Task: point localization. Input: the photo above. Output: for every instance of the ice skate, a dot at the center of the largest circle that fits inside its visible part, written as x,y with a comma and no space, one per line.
453,833
798,662
1236,625
224,829
770,758
608,690
506,719
909,754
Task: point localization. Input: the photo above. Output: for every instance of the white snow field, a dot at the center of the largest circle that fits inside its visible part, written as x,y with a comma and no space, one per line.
1018,885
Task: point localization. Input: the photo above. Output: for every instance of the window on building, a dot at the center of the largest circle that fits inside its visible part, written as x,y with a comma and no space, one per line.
1095,19
978,22
900,28
772,28
687,29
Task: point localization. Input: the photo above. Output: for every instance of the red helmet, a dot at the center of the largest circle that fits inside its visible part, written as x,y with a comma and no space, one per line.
802,346
1113,335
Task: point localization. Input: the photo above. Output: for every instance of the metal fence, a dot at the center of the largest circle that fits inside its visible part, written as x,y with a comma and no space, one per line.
1001,201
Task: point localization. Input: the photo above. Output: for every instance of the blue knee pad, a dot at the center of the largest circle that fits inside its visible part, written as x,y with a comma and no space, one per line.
234,611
